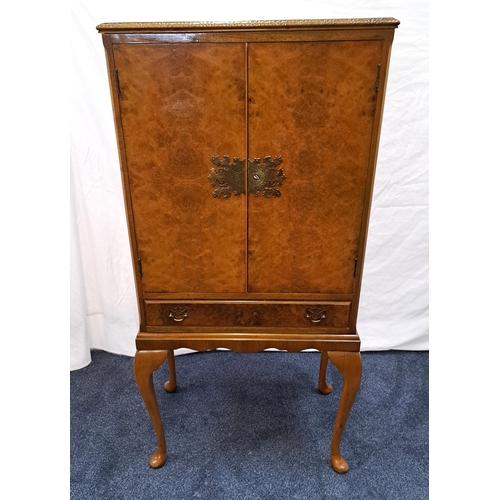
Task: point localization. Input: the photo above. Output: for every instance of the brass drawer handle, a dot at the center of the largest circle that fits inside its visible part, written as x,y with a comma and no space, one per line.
264,177
178,313
315,314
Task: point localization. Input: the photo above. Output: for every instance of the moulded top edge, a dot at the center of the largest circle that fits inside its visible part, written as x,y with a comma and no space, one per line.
379,22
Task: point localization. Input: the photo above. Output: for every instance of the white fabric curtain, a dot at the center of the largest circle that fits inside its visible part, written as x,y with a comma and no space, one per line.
393,311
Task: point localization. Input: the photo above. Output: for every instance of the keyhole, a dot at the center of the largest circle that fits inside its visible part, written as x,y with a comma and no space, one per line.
256,177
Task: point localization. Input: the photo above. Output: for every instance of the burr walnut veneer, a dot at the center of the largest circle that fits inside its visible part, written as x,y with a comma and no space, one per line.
248,154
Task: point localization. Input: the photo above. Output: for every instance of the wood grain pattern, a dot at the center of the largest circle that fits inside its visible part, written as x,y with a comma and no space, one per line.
173,122
145,363
264,315
319,101
349,366
252,35
240,341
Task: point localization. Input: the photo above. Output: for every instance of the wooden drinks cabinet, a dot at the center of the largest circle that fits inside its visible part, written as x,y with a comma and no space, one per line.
247,153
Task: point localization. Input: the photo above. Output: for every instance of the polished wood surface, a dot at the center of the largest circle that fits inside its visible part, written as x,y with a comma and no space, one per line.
349,366
171,384
276,314
145,363
228,250
245,339
319,100
173,122
323,386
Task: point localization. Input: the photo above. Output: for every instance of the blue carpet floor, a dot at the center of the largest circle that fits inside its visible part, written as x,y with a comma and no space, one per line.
251,426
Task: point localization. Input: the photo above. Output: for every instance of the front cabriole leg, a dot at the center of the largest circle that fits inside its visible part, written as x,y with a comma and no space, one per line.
145,363
349,366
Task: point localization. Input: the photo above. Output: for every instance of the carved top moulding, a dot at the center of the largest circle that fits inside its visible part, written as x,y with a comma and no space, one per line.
378,22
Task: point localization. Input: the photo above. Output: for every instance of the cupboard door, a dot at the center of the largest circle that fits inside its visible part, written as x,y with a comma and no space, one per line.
312,104
180,105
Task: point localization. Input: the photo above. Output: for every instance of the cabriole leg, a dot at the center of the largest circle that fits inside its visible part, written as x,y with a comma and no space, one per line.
171,385
145,363
323,387
349,366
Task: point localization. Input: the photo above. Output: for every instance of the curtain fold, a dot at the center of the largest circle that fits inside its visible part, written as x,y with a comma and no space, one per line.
79,337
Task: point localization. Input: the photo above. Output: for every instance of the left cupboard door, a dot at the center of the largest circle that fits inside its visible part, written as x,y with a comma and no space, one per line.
179,106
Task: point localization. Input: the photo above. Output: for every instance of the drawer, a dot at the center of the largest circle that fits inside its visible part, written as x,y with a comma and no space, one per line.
247,314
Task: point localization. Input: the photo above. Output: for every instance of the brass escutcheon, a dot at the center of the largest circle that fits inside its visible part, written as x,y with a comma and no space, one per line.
264,177
228,177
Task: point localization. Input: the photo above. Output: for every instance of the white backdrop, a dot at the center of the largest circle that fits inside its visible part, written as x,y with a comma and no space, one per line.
393,310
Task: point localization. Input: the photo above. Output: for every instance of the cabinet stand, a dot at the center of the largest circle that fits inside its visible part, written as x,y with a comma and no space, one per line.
347,363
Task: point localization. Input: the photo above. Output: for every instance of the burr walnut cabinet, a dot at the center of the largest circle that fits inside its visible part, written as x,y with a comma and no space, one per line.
247,154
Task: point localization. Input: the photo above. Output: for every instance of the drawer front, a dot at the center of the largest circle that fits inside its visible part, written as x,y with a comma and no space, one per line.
248,314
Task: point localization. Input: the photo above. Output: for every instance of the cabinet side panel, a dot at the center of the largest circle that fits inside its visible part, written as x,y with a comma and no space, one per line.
180,105
313,104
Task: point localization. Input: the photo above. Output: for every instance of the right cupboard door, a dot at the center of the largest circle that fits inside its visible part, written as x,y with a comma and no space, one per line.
312,104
